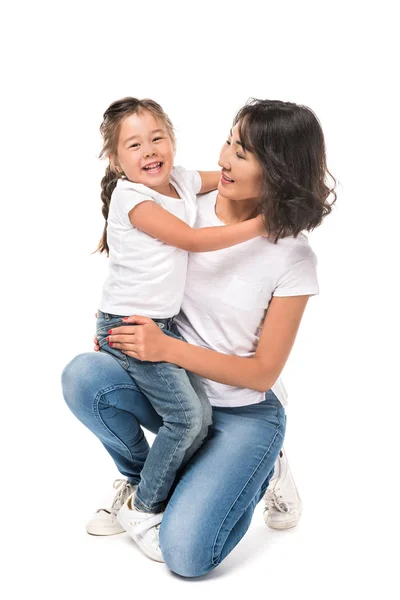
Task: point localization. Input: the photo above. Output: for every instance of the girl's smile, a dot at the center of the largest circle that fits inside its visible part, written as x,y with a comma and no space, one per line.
145,151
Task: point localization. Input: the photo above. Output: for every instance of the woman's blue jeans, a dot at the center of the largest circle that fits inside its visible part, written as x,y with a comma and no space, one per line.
213,502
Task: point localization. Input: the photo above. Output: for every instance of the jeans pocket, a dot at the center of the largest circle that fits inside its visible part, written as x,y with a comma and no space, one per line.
102,328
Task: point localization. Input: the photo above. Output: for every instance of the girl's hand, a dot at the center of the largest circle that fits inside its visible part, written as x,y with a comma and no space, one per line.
145,341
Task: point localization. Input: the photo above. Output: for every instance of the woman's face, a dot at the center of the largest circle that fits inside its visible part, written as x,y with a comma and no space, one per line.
242,176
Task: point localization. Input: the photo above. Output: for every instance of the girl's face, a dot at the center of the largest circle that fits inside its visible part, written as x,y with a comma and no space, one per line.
145,150
242,176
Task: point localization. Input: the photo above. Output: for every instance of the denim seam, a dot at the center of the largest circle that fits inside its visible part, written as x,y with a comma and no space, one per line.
96,412
214,559
160,373
122,360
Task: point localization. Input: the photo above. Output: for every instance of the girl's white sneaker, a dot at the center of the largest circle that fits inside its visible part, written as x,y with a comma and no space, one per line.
142,527
104,521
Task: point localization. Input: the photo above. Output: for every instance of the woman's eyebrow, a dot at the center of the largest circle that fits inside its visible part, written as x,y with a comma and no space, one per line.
238,142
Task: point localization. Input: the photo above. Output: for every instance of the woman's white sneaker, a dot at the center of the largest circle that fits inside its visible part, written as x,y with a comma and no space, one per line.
142,527
283,506
104,521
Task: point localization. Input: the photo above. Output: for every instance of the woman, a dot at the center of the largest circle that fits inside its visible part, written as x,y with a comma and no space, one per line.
240,316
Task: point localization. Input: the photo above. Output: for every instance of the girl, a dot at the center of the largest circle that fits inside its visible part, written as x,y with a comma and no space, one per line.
240,328
150,207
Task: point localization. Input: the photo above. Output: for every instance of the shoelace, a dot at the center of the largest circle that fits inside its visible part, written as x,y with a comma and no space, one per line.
274,500
121,485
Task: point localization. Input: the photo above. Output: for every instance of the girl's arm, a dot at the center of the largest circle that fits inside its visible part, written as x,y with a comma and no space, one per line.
209,181
161,224
258,372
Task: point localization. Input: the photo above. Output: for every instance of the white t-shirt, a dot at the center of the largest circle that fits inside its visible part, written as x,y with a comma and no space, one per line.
146,276
228,291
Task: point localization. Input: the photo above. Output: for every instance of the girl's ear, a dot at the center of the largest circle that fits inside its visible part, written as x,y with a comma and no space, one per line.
114,164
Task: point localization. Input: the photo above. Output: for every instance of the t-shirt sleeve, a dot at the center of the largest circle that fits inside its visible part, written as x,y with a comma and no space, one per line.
300,276
125,199
192,179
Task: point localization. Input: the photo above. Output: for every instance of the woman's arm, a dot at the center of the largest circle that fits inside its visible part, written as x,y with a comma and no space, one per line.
161,224
260,372
209,181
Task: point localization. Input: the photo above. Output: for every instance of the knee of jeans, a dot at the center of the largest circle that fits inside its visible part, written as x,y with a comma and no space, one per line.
184,554
202,422
191,419
73,378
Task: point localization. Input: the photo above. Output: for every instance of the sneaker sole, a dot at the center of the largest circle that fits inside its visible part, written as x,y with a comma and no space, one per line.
282,524
102,532
123,520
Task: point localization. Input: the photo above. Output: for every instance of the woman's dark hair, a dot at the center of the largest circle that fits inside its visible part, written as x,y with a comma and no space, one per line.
109,129
288,142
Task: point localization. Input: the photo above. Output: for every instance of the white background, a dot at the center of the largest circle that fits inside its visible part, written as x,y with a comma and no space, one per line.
63,63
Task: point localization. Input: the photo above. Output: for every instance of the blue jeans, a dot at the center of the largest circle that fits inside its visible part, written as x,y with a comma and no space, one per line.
179,399
213,501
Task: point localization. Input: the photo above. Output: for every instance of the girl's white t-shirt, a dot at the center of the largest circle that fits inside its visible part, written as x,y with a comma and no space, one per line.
146,276
228,291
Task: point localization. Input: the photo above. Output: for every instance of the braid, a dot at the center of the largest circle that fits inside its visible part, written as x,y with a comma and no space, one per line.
108,184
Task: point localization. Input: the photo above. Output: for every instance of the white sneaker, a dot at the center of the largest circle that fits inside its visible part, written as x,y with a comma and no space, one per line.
104,521
283,506
142,527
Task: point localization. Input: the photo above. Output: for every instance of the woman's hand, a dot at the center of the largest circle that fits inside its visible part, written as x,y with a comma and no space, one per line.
95,340
145,341
96,344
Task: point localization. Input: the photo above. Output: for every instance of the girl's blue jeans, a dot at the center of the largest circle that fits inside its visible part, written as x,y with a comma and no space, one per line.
179,399
213,501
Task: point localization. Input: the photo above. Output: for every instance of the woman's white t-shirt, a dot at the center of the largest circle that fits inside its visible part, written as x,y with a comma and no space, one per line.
228,291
